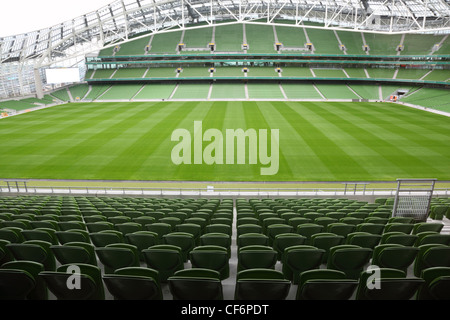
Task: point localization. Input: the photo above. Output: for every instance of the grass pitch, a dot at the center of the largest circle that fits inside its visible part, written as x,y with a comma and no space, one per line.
319,141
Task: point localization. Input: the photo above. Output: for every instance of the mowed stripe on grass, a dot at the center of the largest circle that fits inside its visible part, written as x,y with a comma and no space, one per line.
319,141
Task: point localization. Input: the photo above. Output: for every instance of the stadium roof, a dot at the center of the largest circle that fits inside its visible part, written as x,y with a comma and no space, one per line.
122,19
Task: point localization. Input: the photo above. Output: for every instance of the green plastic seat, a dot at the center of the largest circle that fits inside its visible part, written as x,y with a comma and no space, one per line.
308,230
172,221
15,284
131,287
427,226
144,220
184,240
71,225
39,291
185,287
90,282
336,215
398,227
432,238
43,234
438,211
118,255
256,256
394,256
144,272
34,250
166,259
404,220
313,215
74,252
118,219
295,222
128,227
211,257
219,228
194,229
99,226
341,229
323,284
160,228
397,237
261,284
437,286
12,235
349,259
285,240
363,239
73,235
325,221
248,228
217,239
142,240
133,213
299,258
271,221
273,230
106,237
390,284
370,227
247,239
431,255
326,240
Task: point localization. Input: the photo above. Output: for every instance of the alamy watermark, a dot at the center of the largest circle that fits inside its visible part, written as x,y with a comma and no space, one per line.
73,282
231,149
373,281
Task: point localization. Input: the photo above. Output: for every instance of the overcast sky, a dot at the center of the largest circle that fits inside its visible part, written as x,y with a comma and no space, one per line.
21,16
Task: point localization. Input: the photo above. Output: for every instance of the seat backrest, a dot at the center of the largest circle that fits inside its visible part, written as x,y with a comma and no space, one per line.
324,284
398,237
433,238
252,238
166,259
248,228
198,273
71,254
299,258
427,226
211,257
125,287
285,240
363,239
260,273
394,289
394,256
431,255
256,257
142,240
349,259
431,276
191,288
262,289
91,284
369,279
15,284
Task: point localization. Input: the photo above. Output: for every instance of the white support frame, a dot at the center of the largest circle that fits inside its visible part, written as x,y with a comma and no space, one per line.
67,44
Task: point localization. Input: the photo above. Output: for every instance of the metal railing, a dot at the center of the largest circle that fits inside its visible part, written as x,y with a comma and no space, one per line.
347,189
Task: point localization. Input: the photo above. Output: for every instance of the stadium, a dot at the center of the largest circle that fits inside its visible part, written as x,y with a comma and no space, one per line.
228,150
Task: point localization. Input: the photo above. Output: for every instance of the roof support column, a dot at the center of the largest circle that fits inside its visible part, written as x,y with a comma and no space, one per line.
38,83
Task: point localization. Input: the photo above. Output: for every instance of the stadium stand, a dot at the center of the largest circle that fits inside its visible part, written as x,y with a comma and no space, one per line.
271,247
71,213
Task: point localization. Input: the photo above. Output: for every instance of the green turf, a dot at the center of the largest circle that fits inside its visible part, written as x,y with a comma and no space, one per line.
319,141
